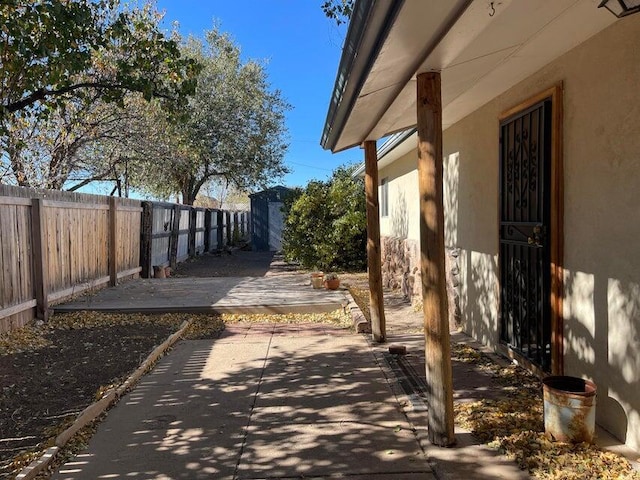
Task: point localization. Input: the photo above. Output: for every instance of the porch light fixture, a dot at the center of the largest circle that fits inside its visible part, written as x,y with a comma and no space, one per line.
621,8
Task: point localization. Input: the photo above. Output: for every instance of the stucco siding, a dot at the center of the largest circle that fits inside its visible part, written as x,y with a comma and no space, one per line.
601,216
404,210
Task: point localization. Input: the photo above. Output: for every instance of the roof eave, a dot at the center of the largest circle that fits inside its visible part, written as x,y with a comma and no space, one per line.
368,29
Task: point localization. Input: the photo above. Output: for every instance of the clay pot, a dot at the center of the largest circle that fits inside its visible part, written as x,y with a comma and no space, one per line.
332,284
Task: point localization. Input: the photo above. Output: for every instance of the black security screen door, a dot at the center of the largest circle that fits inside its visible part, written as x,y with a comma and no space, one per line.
525,167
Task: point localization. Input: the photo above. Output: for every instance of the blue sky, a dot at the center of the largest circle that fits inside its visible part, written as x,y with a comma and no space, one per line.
302,48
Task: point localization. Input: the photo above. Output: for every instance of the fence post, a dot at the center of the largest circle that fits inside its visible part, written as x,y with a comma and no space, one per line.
40,259
113,241
207,230
220,230
175,235
193,222
146,232
228,226
236,228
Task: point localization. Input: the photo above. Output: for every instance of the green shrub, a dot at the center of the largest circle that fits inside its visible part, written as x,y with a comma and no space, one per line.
326,224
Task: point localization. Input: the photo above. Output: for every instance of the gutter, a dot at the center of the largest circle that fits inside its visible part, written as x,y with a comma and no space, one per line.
387,147
369,27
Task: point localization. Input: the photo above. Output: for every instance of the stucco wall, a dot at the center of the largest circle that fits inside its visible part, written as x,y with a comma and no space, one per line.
601,215
601,222
404,210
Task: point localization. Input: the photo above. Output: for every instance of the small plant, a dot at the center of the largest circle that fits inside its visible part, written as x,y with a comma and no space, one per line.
330,276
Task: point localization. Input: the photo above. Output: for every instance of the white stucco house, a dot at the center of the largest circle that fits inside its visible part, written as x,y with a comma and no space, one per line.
541,180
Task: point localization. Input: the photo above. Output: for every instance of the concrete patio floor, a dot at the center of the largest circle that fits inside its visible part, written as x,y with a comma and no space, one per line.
284,293
261,402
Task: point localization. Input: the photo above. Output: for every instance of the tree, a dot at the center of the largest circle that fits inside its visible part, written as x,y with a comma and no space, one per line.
338,10
232,129
68,65
69,145
50,49
326,225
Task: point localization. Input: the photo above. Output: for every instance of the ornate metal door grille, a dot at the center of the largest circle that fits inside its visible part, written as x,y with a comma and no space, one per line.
525,166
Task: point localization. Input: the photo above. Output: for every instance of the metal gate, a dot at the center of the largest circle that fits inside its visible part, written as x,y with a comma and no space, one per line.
525,270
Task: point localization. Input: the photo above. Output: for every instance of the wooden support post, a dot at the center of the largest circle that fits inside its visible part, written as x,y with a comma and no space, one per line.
227,225
220,231
146,232
40,259
374,261
207,230
432,249
175,236
113,241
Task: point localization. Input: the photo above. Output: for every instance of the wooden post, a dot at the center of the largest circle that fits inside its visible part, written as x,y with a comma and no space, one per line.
113,241
374,261
220,227
146,232
227,224
207,229
193,222
236,228
434,289
175,235
40,259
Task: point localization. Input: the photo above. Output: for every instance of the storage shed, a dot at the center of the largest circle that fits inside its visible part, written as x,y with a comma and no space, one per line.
267,220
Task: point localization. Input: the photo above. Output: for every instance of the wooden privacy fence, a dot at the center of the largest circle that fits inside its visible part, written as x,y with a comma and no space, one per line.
171,233
55,245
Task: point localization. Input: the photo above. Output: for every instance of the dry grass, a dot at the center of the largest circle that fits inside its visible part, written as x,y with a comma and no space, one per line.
337,317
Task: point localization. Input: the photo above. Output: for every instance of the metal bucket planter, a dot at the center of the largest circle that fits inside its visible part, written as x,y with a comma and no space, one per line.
569,409
317,279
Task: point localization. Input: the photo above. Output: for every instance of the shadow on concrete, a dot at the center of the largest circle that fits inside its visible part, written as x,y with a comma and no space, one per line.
258,405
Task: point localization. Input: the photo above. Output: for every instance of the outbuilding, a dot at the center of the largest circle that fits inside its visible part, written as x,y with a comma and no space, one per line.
267,219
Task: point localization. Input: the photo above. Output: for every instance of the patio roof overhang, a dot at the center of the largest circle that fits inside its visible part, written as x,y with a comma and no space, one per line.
482,48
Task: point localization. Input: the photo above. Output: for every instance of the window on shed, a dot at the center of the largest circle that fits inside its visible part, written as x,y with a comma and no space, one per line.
384,197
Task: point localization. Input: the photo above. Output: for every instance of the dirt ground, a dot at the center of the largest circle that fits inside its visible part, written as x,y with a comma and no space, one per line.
235,263
51,375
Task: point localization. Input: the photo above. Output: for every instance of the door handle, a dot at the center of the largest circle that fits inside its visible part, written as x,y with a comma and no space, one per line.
536,238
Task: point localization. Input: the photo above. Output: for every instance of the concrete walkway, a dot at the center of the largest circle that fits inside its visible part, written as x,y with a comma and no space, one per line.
273,294
262,402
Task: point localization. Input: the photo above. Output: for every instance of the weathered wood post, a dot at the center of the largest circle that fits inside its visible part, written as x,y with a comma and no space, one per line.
220,229
227,224
146,232
207,229
113,241
193,223
432,250
175,235
236,228
374,261
40,259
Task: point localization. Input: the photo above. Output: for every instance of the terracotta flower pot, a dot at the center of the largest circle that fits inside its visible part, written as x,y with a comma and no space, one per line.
159,271
332,284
